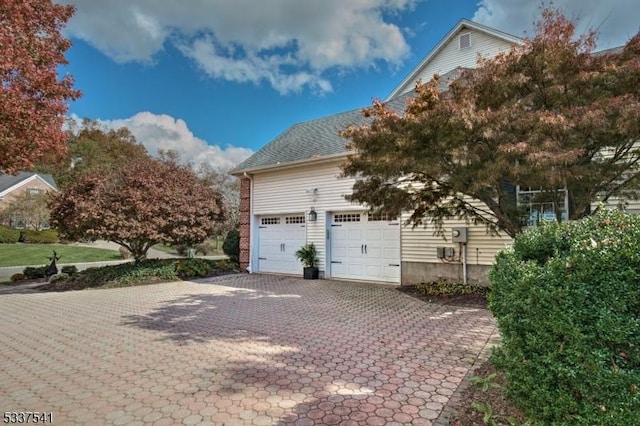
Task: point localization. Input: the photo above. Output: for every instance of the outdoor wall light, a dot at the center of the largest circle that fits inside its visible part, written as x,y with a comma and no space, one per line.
313,216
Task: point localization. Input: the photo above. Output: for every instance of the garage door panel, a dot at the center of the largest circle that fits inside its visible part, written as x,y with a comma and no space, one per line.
354,234
392,253
392,273
373,270
373,235
354,253
369,247
339,253
373,251
278,241
390,235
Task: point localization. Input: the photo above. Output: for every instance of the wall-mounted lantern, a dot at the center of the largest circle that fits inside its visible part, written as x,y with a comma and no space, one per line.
313,216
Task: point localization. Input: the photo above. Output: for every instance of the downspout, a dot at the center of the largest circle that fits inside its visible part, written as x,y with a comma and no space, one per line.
464,263
248,176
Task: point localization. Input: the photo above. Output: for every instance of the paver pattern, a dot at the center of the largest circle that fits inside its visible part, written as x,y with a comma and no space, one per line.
236,350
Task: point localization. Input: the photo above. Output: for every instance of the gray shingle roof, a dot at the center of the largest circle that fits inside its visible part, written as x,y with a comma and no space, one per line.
320,137
7,181
315,138
614,50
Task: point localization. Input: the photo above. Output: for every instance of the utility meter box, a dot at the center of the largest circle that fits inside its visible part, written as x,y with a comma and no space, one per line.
459,234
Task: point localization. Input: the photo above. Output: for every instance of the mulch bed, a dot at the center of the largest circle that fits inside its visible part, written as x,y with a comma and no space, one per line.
503,411
463,300
465,413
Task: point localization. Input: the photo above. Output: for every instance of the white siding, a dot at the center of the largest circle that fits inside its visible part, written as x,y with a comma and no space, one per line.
291,190
419,243
628,204
452,57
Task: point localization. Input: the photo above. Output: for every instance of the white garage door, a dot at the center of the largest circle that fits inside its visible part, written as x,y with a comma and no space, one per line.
365,247
279,237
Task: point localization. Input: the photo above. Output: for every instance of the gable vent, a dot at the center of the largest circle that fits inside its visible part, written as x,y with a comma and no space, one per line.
465,41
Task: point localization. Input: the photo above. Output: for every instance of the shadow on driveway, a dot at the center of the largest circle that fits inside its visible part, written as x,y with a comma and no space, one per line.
322,352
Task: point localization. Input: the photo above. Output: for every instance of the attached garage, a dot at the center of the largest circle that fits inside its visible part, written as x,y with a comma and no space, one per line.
279,237
365,247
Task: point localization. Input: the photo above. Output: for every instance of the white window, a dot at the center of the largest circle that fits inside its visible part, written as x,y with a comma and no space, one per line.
294,219
383,217
346,217
541,206
270,221
17,221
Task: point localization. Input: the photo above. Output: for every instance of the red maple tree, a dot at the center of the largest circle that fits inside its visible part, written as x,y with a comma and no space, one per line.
143,202
33,101
550,115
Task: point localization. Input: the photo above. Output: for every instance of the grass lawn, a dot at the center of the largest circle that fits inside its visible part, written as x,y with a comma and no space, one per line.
168,248
36,254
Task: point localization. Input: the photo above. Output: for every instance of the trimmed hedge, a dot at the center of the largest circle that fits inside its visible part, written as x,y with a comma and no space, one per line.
46,236
146,271
566,298
17,277
9,235
69,269
194,268
33,272
128,273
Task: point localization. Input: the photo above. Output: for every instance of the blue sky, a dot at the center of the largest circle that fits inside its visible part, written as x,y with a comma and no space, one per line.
216,80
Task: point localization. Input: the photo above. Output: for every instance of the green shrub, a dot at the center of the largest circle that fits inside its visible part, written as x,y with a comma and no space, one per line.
193,268
231,245
127,273
33,272
9,235
69,270
17,277
567,301
224,265
46,236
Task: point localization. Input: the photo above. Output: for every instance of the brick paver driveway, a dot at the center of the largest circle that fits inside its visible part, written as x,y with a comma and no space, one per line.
257,350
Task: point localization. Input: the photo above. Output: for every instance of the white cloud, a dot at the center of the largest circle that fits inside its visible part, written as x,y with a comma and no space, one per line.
615,20
289,44
167,133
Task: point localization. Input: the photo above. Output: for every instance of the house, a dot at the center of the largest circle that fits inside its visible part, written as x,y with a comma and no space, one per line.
292,194
14,187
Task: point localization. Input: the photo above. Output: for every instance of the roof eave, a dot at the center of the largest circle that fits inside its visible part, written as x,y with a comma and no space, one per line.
24,182
290,164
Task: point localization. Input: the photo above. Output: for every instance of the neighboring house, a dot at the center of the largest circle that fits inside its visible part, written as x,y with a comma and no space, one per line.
292,194
13,188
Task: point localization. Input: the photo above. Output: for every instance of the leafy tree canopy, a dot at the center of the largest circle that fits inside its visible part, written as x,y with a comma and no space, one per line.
92,148
33,102
549,114
142,202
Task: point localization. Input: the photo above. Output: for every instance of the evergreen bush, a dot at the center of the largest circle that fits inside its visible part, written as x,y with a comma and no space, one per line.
231,245
566,298
9,235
